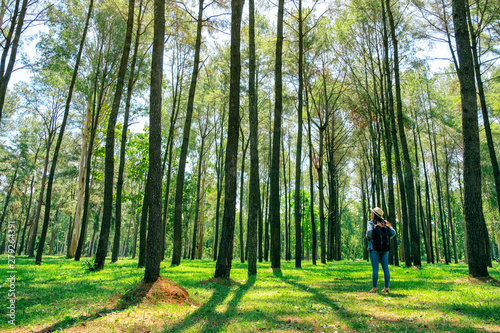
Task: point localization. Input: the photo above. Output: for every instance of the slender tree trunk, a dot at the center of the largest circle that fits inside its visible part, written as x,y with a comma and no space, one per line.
319,169
244,148
274,200
48,197
298,156
198,199
408,178
176,256
144,224
123,144
484,108
254,209
223,267
285,184
477,234
29,205
34,228
314,242
102,248
220,177
81,186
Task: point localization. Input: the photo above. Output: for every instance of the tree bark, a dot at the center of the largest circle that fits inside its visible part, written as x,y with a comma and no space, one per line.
107,211
476,234
223,267
123,144
155,236
254,207
274,199
81,186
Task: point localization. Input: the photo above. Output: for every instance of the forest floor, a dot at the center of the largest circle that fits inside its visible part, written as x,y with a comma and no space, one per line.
62,295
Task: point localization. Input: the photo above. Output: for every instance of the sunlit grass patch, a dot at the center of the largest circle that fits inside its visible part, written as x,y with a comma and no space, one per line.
64,295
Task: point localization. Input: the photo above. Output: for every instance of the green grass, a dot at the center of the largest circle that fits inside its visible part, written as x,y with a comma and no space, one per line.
63,295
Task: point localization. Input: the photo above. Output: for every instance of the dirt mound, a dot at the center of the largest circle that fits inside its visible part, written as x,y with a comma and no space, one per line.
163,290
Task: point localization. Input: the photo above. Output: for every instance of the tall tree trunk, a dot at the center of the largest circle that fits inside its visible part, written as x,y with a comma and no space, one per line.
96,111
476,234
408,173
319,169
34,228
484,108
314,242
274,200
29,204
254,207
298,156
155,227
144,223
10,46
244,148
285,184
390,129
176,256
435,163
109,164
220,177
48,197
223,267
198,199
123,144
448,203
170,147
81,186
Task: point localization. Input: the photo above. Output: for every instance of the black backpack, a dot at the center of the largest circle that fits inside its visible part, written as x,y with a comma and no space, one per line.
381,239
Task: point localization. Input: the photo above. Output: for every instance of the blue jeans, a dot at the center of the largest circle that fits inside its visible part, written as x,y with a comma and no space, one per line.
383,259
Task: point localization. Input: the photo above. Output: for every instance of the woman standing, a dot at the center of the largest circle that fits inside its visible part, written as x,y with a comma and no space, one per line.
379,233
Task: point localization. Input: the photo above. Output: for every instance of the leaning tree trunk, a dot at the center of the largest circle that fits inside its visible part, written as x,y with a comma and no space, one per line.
10,46
223,267
123,144
476,234
181,171
109,164
48,197
154,247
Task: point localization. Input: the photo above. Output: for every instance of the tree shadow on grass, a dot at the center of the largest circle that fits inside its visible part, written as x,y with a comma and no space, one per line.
214,321
127,300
